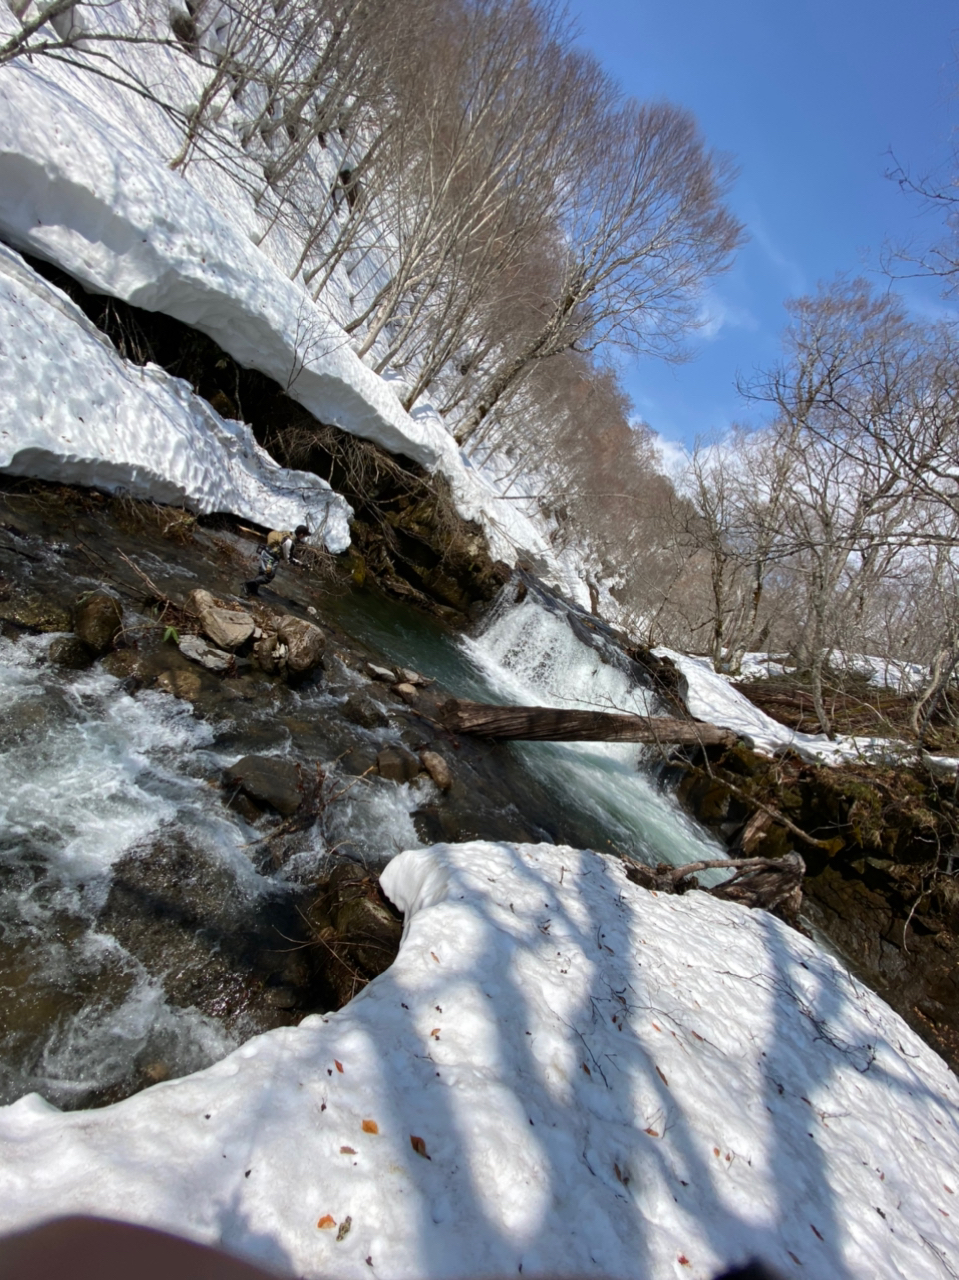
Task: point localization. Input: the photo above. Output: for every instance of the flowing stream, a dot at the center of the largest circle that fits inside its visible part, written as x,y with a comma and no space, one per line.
95,779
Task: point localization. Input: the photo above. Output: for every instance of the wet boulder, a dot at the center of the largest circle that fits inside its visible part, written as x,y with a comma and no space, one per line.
98,621
182,684
397,764
362,710
386,674
70,653
207,655
227,628
304,642
269,781
437,768
33,612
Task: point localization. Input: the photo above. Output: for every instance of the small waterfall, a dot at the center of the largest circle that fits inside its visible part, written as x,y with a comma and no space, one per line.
541,652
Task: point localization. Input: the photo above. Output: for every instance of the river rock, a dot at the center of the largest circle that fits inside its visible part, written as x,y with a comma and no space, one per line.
267,780
437,768
70,652
407,676
228,628
362,710
34,613
182,684
198,650
98,619
397,764
304,641
385,674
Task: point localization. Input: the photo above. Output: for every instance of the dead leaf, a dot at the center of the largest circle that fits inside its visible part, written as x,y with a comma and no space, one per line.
338,1065
794,1258
696,1035
818,1234
347,1151
618,1172
370,1126
326,1222
653,1133
586,1069
419,1146
344,1230
949,1189
435,956
683,1260
654,1027
662,1077
716,1151
435,1033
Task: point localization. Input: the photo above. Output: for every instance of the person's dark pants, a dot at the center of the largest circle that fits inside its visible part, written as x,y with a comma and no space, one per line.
261,579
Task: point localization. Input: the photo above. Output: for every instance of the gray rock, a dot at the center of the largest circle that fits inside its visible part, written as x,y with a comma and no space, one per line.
267,780
397,764
362,710
197,650
304,641
437,768
70,652
228,628
381,673
407,676
98,620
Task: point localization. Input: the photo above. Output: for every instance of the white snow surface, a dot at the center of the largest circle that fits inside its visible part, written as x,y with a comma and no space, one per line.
604,1082
72,410
711,696
77,189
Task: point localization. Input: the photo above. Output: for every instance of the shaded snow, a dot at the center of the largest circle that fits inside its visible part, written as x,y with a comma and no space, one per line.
72,410
605,1082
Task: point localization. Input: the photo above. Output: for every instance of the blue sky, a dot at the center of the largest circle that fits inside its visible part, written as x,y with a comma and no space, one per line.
808,98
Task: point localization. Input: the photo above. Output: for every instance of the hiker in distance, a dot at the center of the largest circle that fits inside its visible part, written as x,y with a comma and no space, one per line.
280,544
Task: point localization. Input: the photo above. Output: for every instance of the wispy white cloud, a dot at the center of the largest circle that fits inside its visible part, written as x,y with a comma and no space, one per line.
792,272
716,314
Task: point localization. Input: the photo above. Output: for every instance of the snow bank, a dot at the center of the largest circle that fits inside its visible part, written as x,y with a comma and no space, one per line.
561,1074
711,697
77,189
84,184
72,410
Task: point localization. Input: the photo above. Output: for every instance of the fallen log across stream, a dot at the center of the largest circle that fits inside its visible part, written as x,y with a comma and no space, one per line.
556,724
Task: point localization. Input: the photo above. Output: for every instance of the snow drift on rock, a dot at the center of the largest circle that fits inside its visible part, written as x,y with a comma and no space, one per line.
72,410
560,1073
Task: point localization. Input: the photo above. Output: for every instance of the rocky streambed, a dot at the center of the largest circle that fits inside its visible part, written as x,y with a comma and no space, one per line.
198,790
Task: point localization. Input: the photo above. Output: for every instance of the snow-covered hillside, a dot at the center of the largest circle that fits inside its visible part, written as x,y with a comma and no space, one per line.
85,184
561,1074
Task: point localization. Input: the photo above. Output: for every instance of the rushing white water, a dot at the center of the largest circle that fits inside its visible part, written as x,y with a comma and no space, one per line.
91,777
530,655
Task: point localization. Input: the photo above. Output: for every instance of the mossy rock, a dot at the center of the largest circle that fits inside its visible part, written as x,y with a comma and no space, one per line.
34,612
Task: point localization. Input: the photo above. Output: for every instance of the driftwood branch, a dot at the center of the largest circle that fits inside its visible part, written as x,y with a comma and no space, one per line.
758,882
555,724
